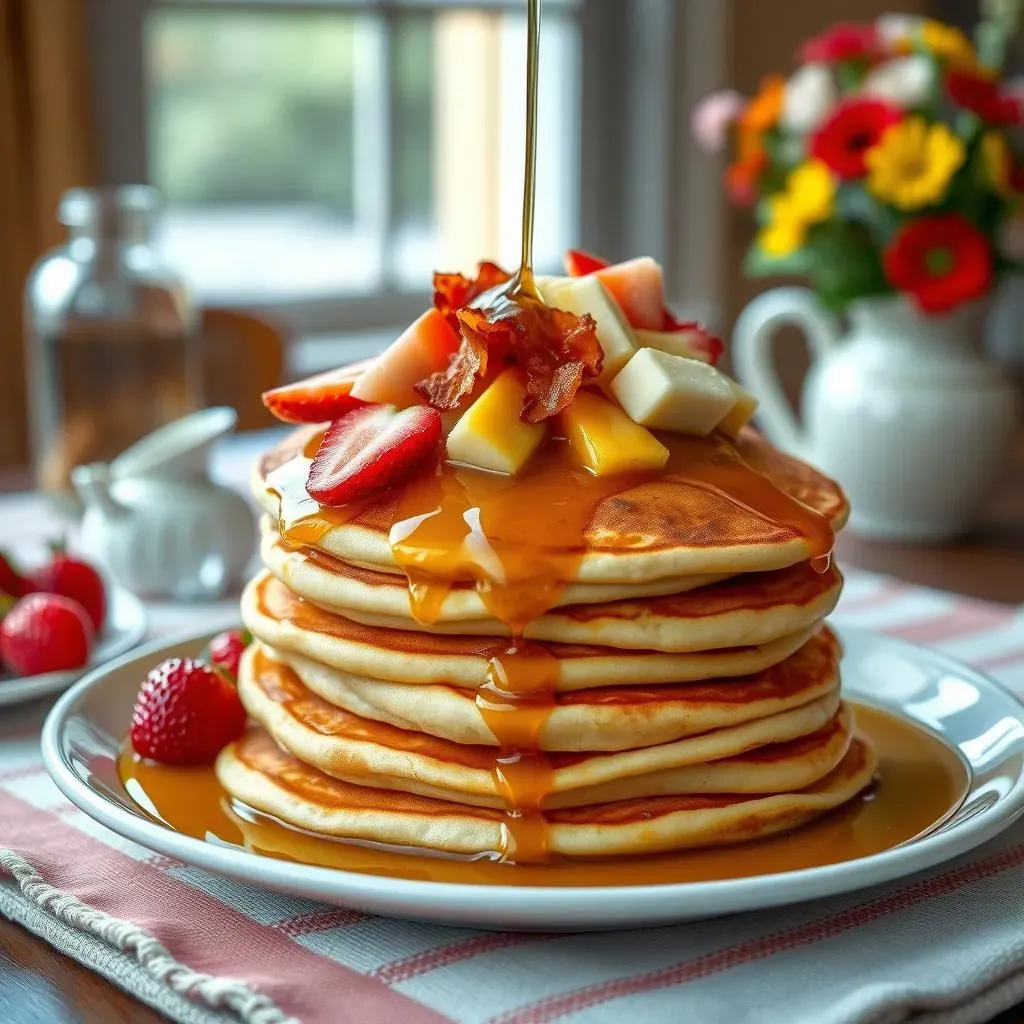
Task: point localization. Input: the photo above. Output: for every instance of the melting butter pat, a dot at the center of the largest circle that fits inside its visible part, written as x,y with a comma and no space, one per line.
669,392
741,413
490,435
581,295
676,343
605,441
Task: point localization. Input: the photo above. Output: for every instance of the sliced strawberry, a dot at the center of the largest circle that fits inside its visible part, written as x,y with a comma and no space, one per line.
699,337
579,263
319,399
371,449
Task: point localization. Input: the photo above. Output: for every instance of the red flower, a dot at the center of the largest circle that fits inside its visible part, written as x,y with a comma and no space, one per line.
850,132
941,261
849,40
983,97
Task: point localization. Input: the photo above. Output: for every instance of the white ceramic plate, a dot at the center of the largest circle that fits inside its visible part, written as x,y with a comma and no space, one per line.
124,629
81,736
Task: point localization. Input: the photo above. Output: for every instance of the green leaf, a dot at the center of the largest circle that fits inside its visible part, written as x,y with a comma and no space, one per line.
850,74
856,204
846,264
758,263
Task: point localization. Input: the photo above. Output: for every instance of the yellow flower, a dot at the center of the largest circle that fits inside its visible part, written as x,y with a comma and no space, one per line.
785,230
811,190
947,44
913,163
995,155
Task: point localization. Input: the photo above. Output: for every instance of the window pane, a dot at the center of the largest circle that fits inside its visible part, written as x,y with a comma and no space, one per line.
413,85
251,143
269,136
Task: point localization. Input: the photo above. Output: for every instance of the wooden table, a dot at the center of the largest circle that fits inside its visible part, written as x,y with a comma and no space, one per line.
989,565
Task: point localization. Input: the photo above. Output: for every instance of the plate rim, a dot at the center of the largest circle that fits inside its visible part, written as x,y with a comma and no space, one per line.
655,904
49,683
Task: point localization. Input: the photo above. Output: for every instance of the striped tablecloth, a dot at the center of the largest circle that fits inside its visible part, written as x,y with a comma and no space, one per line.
946,946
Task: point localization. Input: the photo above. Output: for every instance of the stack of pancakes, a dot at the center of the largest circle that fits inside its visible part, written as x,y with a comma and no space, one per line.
480,665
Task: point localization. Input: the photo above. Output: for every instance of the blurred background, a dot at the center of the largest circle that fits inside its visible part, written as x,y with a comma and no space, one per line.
317,159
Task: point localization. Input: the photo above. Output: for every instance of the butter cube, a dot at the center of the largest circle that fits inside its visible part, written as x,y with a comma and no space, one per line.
490,435
668,392
605,441
745,407
581,295
676,343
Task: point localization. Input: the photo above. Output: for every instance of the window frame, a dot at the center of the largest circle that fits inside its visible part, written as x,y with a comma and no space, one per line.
643,65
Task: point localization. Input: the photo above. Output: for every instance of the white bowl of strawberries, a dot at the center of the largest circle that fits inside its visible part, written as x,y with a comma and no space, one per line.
56,621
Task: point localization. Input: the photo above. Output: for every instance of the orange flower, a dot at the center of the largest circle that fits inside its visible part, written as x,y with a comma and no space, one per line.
761,114
764,109
744,174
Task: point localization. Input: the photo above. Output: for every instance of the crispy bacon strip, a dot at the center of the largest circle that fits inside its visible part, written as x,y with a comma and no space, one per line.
453,292
557,350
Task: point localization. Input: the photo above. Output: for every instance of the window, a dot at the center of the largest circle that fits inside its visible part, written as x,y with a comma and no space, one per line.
322,157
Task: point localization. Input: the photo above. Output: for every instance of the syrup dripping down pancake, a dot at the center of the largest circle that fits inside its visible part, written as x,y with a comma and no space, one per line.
607,718
717,507
743,611
771,754
258,773
277,616
333,583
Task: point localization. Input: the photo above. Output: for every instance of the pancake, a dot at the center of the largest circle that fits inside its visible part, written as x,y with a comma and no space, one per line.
775,754
742,611
718,507
275,615
333,583
257,772
609,718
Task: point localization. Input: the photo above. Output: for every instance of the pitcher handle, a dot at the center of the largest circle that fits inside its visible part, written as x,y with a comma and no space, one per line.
754,358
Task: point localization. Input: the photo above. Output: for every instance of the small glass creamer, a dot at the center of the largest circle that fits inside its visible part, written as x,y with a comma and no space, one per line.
112,336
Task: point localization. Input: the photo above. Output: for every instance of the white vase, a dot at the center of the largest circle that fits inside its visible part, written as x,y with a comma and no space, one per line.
903,411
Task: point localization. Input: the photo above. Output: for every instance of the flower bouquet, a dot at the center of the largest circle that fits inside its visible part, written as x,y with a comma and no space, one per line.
884,163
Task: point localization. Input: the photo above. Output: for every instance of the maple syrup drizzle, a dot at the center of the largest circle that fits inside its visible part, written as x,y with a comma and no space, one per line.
477,519
521,541
922,783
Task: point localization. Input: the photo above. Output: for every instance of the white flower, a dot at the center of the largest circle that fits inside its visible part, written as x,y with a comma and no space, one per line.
809,97
906,82
894,29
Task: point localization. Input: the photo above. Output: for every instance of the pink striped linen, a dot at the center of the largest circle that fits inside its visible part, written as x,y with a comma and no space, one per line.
945,947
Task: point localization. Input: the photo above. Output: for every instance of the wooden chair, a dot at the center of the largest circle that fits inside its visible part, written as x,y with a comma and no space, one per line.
242,356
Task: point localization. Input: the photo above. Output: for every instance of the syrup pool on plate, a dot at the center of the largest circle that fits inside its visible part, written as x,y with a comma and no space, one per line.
921,783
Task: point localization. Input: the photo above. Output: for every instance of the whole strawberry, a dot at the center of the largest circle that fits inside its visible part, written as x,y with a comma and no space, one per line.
45,633
78,580
185,713
12,582
225,650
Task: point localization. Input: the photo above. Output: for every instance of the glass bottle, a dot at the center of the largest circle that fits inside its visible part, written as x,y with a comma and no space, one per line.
112,336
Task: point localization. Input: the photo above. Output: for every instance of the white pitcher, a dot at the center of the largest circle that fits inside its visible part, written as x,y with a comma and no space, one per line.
157,521
904,412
